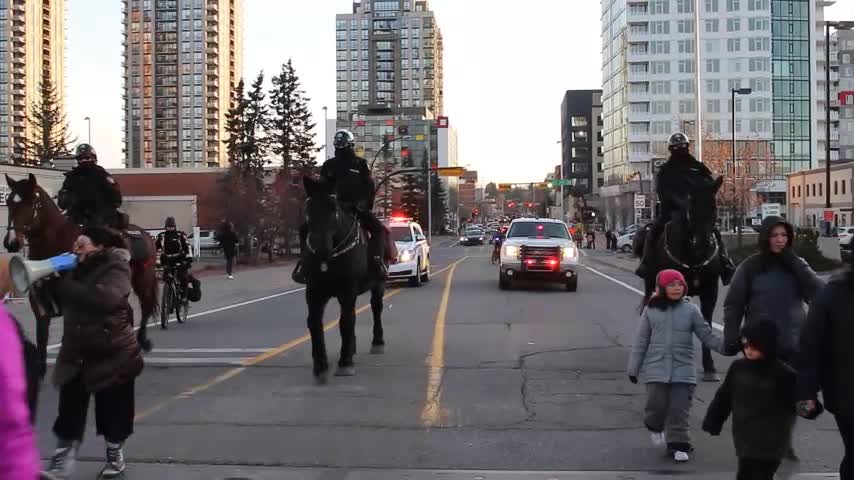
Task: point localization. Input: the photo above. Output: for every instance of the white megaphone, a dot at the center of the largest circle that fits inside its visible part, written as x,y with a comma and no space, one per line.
25,272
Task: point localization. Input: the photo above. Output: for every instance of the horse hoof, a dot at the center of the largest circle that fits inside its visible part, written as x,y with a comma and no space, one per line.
321,378
377,349
345,371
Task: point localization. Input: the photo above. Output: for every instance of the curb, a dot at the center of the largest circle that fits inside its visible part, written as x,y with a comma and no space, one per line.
609,264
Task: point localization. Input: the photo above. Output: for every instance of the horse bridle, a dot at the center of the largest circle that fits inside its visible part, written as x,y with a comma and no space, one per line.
340,249
680,263
28,227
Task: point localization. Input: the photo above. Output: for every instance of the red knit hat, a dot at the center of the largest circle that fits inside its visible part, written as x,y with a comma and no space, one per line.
666,277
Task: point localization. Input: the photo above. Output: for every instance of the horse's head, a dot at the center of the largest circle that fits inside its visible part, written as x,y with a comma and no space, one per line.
322,216
698,215
25,202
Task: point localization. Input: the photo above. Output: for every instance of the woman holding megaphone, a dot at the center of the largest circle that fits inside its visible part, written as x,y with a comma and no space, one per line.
100,355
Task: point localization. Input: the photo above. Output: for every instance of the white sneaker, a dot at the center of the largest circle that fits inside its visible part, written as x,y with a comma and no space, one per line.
657,438
230,277
681,456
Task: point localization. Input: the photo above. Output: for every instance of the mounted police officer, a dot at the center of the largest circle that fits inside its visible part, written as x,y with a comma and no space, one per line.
672,187
350,179
89,194
174,249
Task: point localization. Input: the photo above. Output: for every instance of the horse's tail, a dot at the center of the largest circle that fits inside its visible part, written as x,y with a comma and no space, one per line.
147,289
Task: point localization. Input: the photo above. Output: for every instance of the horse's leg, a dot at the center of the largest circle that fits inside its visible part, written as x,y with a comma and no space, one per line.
316,302
708,299
146,288
42,332
378,342
347,327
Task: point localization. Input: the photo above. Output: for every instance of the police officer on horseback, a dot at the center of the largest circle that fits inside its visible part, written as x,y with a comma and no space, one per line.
673,187
350,179
89,194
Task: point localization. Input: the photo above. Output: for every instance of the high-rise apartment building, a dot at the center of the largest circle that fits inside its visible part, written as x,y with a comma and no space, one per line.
389,60
841,98
182,63
650,78
581,137
31,40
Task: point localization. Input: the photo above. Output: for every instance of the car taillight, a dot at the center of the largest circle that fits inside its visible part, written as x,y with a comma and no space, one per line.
553,262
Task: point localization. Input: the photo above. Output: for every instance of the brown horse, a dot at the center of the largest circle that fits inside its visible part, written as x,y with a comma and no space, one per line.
35,219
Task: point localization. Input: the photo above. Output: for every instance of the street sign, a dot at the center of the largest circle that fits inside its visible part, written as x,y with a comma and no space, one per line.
505,187
828,215
640,201
419,137
450,171
561,181
770,209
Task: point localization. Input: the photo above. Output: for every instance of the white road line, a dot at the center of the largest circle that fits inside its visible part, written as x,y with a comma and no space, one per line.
633,289
185,361
215,310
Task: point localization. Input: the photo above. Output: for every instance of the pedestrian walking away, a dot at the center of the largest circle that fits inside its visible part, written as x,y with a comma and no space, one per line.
759,392
228,241
663,356
100,355
826,357
18,454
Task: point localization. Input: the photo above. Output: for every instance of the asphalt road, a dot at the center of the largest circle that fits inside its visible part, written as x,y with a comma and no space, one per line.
476,383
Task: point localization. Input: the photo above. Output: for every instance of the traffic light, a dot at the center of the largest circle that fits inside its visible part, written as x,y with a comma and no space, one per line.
475,211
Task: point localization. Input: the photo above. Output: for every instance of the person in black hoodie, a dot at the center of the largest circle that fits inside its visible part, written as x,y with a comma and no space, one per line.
826,359
760,392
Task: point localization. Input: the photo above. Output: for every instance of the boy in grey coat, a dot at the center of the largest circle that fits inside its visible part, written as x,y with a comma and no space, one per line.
663,355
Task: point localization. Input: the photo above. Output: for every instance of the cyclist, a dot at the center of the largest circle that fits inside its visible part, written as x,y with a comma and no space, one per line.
174,250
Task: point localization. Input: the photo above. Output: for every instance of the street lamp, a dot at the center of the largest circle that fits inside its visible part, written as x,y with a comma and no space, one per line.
847,25
89,121
737,91
325,133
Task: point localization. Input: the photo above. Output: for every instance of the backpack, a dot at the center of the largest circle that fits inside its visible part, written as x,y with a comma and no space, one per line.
32,370
194,293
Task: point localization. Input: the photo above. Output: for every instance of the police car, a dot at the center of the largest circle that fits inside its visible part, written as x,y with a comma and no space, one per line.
413,258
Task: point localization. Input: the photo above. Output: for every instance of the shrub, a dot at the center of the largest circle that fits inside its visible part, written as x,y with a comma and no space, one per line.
806,246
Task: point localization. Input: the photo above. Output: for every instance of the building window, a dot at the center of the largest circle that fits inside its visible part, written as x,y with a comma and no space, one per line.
686,86
661,107
685,6
733,45
685,26
713,106
661,68
713,66
733,5
686,106
757,4
733,24
660,7
713,86
686,66
835,187
713,25
685,46
660,28
712,6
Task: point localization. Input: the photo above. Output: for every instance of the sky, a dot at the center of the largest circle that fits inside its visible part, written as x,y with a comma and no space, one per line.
507,66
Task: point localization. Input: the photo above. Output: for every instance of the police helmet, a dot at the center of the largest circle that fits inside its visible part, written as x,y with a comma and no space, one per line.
344,139
678,141
170,222
84,151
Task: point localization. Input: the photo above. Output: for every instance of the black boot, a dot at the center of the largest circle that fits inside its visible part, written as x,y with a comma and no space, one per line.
298,275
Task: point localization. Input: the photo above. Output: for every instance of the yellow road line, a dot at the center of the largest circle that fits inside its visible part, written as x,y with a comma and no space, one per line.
431,414
258,359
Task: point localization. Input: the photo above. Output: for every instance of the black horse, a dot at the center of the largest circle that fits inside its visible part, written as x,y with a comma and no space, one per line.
336,265
689,245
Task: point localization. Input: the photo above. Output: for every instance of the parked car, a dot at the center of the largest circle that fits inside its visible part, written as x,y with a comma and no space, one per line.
845,235
413,258
624,242
206,240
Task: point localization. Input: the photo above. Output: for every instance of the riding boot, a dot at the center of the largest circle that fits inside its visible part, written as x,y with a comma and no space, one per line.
727,265
648,251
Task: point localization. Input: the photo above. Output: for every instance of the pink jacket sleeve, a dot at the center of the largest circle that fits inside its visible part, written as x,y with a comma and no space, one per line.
18,455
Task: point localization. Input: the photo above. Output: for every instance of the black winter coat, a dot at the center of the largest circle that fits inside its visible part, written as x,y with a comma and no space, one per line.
760,395
89,188
350,179
827,348
677,177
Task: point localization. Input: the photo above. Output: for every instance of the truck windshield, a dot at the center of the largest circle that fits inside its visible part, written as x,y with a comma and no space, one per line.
535,229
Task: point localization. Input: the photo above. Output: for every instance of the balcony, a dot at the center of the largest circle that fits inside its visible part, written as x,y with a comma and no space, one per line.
19,7
213,38
213,19
213,6
213,82
212,70
212,50
19,29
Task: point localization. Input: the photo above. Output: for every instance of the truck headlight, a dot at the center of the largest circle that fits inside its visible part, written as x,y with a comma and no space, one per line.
511,251
406,256
570,253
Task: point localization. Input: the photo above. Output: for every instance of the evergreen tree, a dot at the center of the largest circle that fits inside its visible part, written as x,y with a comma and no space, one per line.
244,192
440,204
411,199
51,137
290,125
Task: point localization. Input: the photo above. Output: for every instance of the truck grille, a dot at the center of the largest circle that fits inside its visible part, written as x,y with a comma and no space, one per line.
540,259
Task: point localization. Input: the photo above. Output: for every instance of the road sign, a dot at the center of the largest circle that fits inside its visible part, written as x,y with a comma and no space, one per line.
561,181
450,171
505,187
828,215
419,137
770,209
640,201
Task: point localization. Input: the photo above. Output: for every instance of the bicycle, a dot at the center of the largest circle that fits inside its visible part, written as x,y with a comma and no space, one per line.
174,297
496,252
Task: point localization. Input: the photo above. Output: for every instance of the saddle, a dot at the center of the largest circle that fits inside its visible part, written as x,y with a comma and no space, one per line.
137,243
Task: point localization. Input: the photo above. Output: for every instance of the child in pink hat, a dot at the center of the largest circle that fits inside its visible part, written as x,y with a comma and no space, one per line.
663,357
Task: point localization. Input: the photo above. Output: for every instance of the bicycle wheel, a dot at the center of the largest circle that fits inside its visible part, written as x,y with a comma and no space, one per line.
166,303
182,306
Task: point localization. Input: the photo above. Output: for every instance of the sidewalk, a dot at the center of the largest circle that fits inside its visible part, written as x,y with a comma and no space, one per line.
621,261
